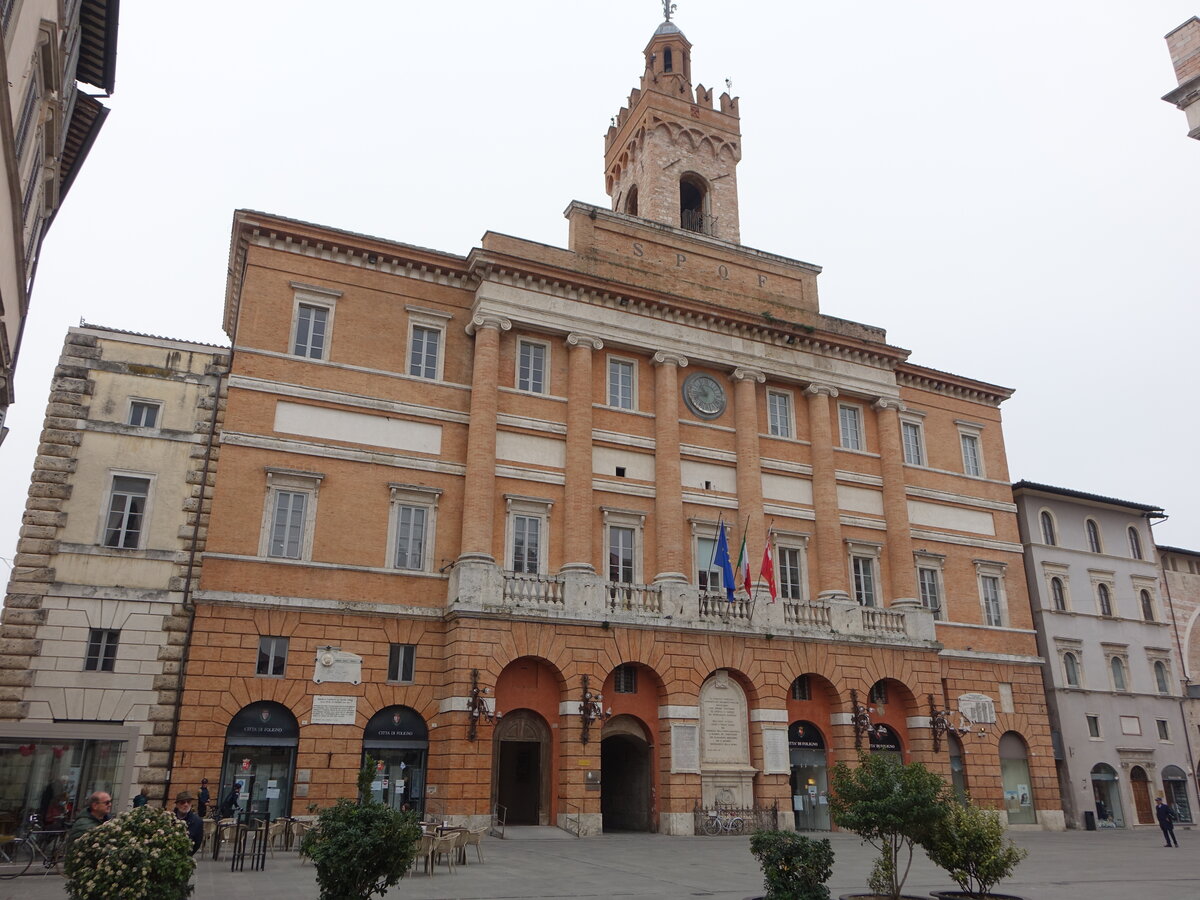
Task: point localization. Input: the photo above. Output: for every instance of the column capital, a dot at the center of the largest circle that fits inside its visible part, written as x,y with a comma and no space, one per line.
665,358
744,373
890,403
488,320
815,389
575,339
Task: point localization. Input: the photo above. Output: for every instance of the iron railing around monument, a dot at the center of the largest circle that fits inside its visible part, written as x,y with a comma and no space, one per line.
756,818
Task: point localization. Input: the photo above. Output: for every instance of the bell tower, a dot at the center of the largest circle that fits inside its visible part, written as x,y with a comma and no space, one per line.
669,156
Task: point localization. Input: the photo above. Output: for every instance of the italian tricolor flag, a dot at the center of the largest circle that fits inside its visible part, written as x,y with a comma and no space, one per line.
743,568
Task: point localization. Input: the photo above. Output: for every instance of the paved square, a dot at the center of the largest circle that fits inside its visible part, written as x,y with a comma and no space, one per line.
1074,865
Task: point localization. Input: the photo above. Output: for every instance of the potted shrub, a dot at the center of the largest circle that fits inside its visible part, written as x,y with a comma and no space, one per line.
144,854
794,867
361,848
892,807
970,844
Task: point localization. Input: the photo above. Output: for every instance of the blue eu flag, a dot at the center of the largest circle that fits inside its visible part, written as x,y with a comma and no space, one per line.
721,560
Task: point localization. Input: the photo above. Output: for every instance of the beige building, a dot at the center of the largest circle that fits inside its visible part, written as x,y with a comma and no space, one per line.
94,621
50,50
1184,45
1181,587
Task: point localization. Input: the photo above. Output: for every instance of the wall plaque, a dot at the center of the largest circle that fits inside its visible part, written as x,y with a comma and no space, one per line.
685,748
334,710
776,758
977,708
724,736
337,666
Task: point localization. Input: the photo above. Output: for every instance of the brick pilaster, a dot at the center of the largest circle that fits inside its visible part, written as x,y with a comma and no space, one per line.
577,543
831,563
479,489
901,571
668,503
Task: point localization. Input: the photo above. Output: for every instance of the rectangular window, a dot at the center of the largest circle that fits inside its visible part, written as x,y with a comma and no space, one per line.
29,106
531,367
620,554
779,414
863,568
850,424
801,689
708,576
423,355
1164,731
410,537
272,656
287,524
143,414
789,583
527,534
401,658
32,187
914,450
126,510
989,585
927,582
102,650
1093,725
972,461
311,324
625,679
620,383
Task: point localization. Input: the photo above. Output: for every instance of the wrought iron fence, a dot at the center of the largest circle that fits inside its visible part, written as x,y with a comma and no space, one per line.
754,818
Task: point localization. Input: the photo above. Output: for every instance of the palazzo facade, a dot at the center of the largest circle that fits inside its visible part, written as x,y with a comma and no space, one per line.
465,514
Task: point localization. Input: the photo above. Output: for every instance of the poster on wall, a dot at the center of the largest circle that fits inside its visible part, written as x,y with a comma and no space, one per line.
1024,795
1010,799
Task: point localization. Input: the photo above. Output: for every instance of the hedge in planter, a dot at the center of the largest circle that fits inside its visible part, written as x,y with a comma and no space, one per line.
794,867
144,854
969,843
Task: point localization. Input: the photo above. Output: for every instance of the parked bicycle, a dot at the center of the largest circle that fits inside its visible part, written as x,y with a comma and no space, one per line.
18,853
719,821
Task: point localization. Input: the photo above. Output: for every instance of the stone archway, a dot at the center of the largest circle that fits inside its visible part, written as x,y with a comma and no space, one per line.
521,768
625,779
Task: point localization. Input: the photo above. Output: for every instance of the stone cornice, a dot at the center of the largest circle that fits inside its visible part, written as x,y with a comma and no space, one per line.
909,375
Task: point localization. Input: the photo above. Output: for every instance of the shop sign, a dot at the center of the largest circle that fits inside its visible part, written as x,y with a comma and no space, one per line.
805,736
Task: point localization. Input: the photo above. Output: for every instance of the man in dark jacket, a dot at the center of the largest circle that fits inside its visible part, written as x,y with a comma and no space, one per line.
229,806
1166,821
99,809
203,798
183,812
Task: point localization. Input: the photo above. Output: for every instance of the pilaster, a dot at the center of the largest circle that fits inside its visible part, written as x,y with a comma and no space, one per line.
577,527
479,489
668,504
832,579
901,571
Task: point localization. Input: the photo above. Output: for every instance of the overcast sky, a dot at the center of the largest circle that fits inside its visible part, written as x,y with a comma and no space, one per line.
997,185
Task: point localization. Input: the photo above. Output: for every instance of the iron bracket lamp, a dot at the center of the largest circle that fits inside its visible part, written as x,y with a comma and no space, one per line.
477,706
940,725
860,718
591,709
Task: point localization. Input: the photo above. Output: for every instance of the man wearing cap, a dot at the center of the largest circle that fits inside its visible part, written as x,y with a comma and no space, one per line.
183,812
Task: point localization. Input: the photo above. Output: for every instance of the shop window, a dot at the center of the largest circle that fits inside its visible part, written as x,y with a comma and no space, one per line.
1019,801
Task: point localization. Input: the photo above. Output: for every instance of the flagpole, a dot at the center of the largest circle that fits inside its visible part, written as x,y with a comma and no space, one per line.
712,557
758,581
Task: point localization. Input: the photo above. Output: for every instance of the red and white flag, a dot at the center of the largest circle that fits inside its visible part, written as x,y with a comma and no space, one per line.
768,572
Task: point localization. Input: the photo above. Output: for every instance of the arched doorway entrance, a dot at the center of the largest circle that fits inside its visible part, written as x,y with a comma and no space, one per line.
1014,776
810,782
885,741
521,768
625,802
1139,783
1107,797
397,739
1176,793
958,768
260,757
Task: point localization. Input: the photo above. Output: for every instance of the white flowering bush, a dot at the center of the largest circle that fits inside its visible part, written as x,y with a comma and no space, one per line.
144,854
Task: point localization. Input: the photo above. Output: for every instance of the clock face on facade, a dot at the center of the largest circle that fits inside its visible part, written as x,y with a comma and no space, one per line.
704,396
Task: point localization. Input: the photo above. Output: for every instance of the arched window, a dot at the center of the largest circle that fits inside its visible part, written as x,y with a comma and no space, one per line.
1071,669
693,201
631,201
668,60
1160,677
1093,536
1057,594
1118,674
1048,536
1147,606
1135,543
1019,801
1105,600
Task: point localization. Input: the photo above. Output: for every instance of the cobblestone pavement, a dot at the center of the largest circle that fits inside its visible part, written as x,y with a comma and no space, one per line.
1106,865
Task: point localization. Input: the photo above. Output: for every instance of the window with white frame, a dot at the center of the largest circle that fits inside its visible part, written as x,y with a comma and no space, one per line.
850,427
929,585
779,414
312,320
401,662
1135,543
272,656
1058,594
412,526
1147,602
526,550
914,441
1093,727
623,544
290,513
864,573
1093,536
1162,678
789,569
101,650
532,366
1071,669
969,438
622,383
1164,730
426,336
1049,532
708,573
992,595
1118,668
125,520
144,413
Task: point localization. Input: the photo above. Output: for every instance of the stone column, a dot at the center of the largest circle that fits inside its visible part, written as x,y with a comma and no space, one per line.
901,570
668,504
832,581
749,470
578,546
479,486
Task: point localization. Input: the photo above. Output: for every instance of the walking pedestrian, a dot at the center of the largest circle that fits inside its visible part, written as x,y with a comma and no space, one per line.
203,798
1166,821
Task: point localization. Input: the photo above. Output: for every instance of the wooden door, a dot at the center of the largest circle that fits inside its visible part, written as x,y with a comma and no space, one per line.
1141,795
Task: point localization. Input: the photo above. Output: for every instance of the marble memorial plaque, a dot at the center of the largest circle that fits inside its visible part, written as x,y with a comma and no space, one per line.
776,756
334,710
685,748
333,665
724,734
